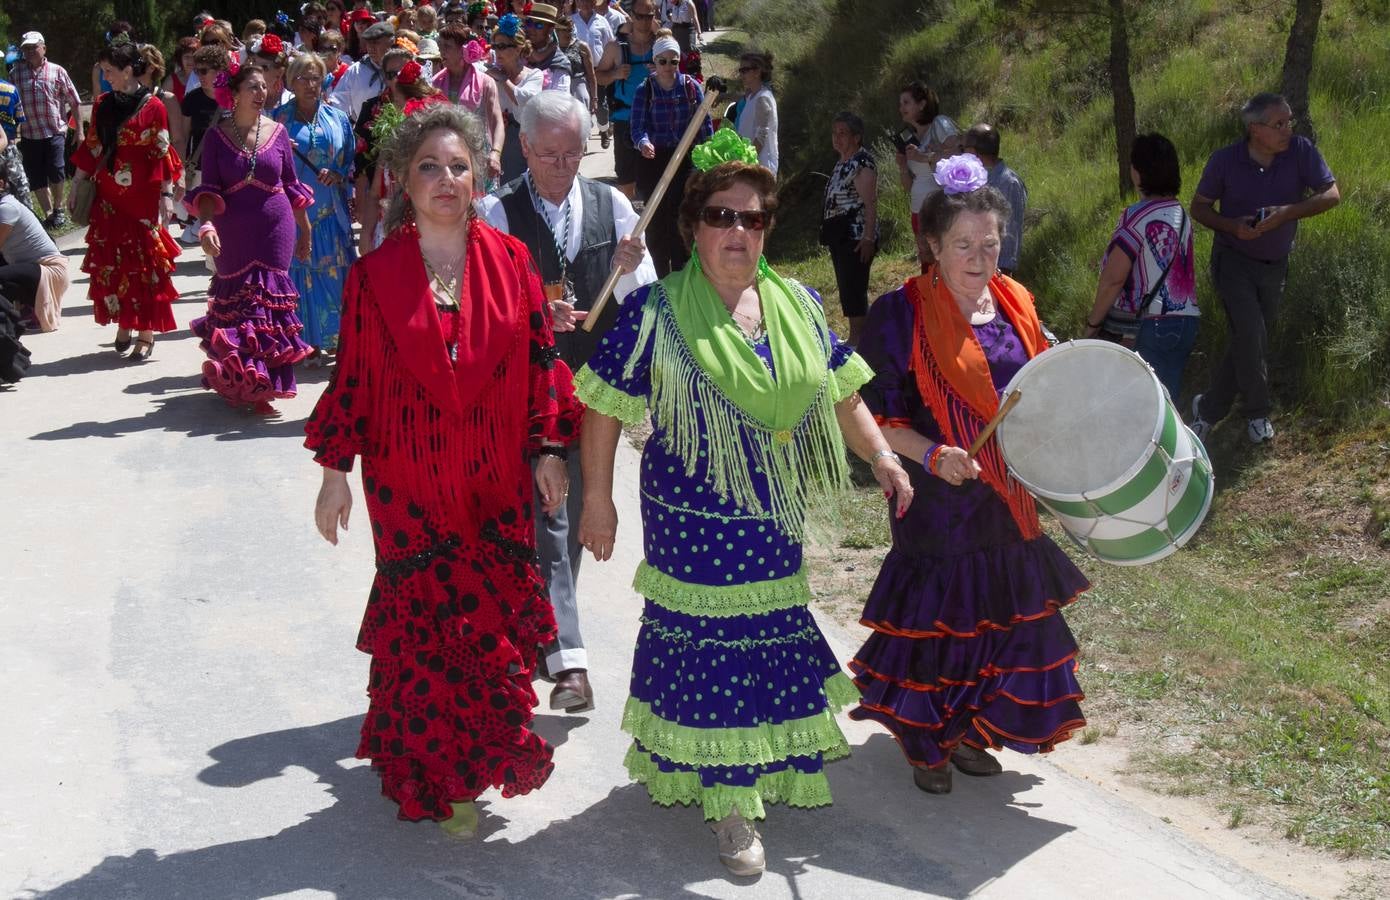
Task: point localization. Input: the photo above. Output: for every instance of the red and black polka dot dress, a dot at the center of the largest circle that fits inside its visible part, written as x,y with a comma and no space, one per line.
457,606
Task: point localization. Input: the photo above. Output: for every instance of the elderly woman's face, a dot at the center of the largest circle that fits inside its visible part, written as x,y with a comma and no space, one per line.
439,181
968,253
730,250
307,85
843,139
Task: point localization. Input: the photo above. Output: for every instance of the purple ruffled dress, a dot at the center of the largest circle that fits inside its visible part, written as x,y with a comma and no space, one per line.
251,333
968,644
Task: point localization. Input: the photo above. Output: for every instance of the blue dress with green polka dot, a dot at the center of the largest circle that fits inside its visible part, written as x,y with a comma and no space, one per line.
734,688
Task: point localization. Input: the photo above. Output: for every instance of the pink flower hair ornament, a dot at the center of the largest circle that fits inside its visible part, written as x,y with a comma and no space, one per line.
960,174
222,89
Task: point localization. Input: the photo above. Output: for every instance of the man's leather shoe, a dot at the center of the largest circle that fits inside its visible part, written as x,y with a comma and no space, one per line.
572,692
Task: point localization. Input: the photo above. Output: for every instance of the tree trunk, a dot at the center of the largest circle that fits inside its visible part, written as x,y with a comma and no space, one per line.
1298,63
1123,93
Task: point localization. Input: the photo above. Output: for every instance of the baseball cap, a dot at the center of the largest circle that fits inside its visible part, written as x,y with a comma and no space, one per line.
31,38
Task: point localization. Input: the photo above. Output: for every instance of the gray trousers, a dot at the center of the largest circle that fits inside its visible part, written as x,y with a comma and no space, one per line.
557,541
1250,292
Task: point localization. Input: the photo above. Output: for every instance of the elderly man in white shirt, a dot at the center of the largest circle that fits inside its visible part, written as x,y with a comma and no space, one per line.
577,230
364,79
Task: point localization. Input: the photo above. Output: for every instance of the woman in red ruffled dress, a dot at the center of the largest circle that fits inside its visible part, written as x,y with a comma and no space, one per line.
447,384
130,257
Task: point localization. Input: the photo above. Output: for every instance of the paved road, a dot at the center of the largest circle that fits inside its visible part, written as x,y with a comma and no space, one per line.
183,696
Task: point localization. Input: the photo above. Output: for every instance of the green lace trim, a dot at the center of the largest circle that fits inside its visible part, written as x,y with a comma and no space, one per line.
601,396
667,788
721,600
850,377
755,745
682,636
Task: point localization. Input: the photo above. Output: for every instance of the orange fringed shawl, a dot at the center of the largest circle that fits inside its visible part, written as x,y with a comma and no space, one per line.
953,376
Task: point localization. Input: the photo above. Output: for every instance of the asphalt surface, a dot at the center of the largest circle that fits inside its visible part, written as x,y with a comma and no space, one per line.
184,697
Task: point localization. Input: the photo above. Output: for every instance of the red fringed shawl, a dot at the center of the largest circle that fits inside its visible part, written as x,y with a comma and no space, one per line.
953,376
443,425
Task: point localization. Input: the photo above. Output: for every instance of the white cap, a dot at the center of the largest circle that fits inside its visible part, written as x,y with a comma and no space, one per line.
31,38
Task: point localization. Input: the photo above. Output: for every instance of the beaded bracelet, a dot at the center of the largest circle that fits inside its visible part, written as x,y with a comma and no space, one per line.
555,450
932,455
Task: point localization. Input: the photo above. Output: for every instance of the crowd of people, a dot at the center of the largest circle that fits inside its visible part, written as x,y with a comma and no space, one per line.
397,195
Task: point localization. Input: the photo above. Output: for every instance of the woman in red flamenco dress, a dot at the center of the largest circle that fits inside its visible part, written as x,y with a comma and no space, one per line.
130,257
447,384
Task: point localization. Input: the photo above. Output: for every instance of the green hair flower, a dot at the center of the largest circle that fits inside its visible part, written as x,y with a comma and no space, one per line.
725,146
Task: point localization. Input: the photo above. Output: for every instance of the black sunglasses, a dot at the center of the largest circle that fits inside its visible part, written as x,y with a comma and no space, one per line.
723,217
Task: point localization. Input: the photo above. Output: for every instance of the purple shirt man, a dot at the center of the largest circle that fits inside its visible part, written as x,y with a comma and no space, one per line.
1244,185
1264,184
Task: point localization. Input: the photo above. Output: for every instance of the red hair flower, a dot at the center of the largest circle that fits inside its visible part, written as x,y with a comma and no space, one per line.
409,73
272,45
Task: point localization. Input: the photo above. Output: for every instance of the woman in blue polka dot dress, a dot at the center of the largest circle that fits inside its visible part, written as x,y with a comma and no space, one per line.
733,688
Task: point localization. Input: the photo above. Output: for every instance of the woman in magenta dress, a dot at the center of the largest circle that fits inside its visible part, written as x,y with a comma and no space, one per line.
255,209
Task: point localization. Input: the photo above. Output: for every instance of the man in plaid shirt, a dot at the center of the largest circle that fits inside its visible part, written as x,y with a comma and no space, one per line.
48,96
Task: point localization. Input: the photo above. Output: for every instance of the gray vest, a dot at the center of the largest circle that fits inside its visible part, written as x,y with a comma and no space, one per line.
589,269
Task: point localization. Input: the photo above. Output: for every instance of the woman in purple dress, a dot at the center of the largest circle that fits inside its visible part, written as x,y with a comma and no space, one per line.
254,207
969,651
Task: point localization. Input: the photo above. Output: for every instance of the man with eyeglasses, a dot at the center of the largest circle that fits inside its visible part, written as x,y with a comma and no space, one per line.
571,225
1264,183
49,100
364,79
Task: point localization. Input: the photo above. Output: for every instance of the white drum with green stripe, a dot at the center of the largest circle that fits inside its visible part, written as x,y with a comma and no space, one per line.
1095,439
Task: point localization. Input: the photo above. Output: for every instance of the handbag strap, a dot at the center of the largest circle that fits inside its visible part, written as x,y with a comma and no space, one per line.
1145,301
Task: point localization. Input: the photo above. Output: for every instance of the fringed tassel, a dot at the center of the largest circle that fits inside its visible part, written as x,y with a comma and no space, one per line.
451,459
960,426
805,465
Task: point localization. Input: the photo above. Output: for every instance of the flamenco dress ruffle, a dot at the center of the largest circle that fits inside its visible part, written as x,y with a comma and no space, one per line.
969,646
452,651
130,265
251,333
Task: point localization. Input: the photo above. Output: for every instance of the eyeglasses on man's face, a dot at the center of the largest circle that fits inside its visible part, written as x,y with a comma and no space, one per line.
1280,125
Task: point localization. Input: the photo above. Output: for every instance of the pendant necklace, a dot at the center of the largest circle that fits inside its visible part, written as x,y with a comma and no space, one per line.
254,148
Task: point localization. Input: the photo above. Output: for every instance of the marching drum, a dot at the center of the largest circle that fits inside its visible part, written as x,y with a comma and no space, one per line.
1095,439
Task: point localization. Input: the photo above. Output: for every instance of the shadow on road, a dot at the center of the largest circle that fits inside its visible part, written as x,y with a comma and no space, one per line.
197,414
879,831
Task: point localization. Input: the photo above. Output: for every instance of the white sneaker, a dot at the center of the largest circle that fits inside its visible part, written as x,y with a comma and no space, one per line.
189,237
1259,431
740,847
1200,426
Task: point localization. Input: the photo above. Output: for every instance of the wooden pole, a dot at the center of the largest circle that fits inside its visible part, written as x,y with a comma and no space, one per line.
677,159
994,422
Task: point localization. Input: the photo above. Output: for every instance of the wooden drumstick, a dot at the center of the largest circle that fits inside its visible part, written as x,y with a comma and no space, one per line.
649,210
1004,410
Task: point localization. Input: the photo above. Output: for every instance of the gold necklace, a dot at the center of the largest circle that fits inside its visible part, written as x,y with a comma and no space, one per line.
449,286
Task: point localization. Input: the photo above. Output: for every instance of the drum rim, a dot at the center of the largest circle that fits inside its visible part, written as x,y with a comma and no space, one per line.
1130,473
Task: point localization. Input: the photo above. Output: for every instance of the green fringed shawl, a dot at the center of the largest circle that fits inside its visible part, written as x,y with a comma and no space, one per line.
757,428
